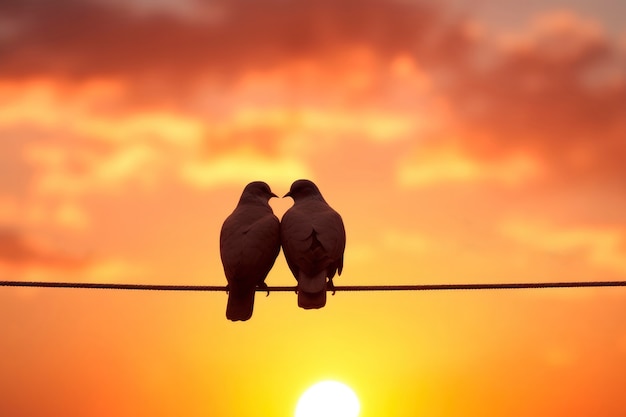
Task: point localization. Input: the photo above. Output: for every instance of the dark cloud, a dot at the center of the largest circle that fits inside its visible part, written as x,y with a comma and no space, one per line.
77,38
17,250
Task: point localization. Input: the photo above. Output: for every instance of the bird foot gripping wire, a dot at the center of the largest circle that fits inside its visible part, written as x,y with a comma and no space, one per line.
331,286
264,286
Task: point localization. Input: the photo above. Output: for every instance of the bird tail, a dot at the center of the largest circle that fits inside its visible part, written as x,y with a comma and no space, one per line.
312,290
240,304
310,301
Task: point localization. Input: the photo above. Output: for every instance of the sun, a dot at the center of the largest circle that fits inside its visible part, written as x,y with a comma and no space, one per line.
328,399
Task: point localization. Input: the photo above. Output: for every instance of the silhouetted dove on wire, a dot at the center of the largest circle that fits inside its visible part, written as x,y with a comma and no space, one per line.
313,239
249,245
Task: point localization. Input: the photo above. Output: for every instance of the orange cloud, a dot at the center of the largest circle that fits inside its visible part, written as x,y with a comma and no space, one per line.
601,247
24,213
242,167
164,126
50,103
559,35
324,122
18,250
548,90
77,110
448,165
68,172
31,258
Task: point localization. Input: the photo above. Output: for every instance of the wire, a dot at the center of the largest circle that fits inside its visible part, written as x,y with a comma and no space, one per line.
425,287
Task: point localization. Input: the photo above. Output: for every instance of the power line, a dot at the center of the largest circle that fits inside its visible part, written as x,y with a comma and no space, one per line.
221,288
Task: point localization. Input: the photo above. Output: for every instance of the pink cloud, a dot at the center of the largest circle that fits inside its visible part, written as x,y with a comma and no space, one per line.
550,92
17,250
559,36
601,247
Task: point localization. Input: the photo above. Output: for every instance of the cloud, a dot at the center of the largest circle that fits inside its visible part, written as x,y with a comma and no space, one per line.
111,110
243,167
539,105
450,165
601,247
164,126
74,38
81,150
371,124
95,109
558,36
18,250
549,90
81,170
184,9
30,258
88,140
25,213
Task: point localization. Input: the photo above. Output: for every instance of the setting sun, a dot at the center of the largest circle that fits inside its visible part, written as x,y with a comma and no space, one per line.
328,399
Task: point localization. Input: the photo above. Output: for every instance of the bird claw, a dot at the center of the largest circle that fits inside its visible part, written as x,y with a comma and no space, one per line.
331,286
227,288
265,287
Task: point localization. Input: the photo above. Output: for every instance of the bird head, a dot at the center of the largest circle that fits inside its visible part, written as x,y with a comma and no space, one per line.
257,190
303,189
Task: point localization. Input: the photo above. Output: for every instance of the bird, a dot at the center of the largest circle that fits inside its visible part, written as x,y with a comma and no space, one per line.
313,238
249,246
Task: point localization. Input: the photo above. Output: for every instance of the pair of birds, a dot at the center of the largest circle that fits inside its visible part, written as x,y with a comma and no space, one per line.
311,234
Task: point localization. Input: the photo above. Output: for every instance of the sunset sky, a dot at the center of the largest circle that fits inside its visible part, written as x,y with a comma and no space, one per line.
461,141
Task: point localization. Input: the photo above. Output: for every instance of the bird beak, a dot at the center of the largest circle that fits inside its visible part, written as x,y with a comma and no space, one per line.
273,195
287,195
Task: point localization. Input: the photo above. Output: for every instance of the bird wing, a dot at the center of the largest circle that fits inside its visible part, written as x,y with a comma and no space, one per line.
249,245
331,234
295,230
313,238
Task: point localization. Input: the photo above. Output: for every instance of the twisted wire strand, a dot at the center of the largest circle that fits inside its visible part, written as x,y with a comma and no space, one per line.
221,288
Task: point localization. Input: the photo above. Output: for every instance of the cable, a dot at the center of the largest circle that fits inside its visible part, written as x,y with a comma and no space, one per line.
425,287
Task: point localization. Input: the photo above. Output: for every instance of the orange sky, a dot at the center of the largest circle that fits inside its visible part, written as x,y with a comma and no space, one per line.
482,143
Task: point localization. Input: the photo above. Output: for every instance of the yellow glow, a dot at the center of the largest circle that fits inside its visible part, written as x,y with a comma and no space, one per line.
452,165
601,246
328,399
242,167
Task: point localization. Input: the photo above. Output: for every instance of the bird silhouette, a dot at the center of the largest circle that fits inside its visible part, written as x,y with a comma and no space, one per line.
249,245
313,238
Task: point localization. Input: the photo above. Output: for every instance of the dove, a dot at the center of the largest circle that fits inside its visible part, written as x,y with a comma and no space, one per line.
313,238
249,246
